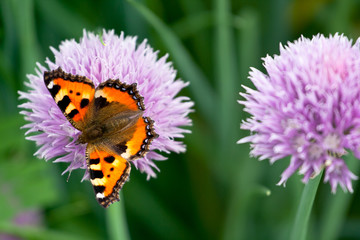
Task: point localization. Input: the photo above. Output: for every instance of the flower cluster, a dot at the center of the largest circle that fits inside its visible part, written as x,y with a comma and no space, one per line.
100,58
307,107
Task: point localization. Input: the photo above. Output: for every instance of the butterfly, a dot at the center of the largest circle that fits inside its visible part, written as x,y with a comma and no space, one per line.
110,118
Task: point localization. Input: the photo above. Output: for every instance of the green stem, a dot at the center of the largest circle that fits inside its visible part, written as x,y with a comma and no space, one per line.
116,221
225,72
299,230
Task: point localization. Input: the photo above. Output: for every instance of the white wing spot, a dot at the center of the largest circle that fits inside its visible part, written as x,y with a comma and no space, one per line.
100,195
99,93
126,154
50,85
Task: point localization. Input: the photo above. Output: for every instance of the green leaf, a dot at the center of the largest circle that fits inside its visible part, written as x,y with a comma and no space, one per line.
23,12
29,183
26,182
10,127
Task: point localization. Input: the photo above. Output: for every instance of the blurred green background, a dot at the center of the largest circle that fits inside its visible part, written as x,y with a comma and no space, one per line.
214,190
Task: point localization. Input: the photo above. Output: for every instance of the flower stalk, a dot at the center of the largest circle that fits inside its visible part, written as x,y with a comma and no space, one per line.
116,221
301,222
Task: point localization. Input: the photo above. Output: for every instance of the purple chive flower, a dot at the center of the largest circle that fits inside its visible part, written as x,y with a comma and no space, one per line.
307,107
100,58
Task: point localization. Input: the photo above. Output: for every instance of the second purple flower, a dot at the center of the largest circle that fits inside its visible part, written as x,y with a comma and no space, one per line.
307,107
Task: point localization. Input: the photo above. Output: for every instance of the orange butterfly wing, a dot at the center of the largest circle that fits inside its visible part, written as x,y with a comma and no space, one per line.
72,93
108,173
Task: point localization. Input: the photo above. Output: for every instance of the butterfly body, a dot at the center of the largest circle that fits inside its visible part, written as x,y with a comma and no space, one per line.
110,118
101,126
